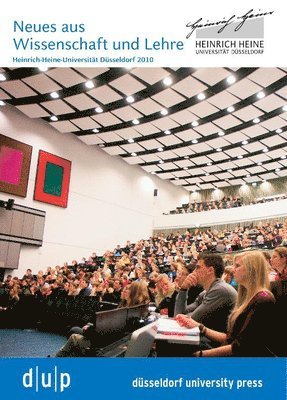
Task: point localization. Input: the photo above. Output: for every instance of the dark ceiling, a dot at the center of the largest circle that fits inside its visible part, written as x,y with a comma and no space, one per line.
201,128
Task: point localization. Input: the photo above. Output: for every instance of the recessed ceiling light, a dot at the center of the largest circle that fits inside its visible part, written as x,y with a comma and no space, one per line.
2,103
248,175
131,140
164,111
256,120
254,184
194,123
260,95
279,130
176,179
153,172
230,109
231,79
277,170
265,150
194,141
201,96
186,157
185,168
54,118
221,133
209,164
134,154
2,77
244,142
283,157
99,110
219,149
95,130
54,95
167,132
240,156
167,81
43,69
130,99
160,149
89,84
229,170
136,121
260,163
207,174
284,108
101,145
161,162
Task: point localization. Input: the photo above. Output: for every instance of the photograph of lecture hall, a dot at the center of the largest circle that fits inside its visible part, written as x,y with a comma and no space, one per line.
143,212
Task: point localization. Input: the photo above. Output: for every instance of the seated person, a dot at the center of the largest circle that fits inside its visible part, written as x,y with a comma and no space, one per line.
214,304
250,323
80,343
165,295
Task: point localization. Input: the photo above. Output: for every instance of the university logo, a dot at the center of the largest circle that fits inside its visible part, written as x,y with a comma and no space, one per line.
237,34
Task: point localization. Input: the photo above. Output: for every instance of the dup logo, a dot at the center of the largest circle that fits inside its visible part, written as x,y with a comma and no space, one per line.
38,380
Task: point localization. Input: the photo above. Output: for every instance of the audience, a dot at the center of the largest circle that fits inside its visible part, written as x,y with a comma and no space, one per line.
250,324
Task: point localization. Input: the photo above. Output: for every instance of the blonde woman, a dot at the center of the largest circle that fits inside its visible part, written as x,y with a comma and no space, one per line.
250,323
165,295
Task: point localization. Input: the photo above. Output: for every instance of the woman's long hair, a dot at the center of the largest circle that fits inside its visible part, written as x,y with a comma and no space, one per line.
257,280
160,295
138,294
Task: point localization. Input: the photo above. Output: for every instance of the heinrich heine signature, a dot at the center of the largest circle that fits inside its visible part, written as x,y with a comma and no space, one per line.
225,22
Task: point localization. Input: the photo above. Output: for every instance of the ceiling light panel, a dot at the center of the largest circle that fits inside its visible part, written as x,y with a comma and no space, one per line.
81,102
254,147
244,88
64,126
127,85
266,76
147,106
206,129
91,139
227,122
168,97
248,113
17,88
150,75
150,144
170,140
92,72
218,142
211,76
57,107
223,100
274,140
127,113
65,76
188,135
106,119
236,137
203,109
270,103
183,151
42,83
165,123
272,124
104,94
85,123
33,110
254,131
110,137
189,87
128,133
184,117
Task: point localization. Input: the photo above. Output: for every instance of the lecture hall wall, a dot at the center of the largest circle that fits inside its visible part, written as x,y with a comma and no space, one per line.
109,200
